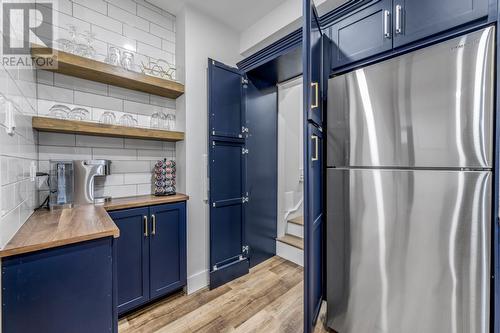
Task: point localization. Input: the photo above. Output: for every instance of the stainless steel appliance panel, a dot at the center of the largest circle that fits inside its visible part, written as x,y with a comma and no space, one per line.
408,251
429,108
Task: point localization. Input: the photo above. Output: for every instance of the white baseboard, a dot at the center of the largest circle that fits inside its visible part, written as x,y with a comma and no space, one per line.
197,281
290,253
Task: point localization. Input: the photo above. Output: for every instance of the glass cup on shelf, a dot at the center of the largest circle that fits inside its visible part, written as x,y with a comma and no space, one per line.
114,56
79,114
128,60
170,123
108,118
158,120
127,120
59,111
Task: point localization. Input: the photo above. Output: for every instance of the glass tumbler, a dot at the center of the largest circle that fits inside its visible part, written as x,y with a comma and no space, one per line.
79,114
108,118
59,111
114,56
127,120
128,60
170,123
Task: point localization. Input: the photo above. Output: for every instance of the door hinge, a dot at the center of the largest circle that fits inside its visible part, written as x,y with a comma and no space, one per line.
245,249
244,199
244,130
244,82
244,151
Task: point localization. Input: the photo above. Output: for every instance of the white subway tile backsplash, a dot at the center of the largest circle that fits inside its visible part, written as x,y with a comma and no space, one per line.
152,155
168,46
96,18
127,94
114,154
63,153
154,52
141,35
138,178
56,139
114,38
163,101
45,77
161,32
143,144
64,21
9,225
55,93
71,82
97,5
144,189
128,5
120,191
140,108
128,18
155,17
98,141
104,102
130,166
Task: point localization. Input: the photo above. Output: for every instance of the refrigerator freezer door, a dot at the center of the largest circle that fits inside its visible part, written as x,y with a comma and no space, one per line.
430,108
408,251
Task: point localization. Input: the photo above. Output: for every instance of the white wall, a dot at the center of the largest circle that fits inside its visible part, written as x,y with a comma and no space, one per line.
278,23
290,149
203,38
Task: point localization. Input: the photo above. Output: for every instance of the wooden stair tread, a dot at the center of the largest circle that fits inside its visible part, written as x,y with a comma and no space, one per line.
297,220
292,240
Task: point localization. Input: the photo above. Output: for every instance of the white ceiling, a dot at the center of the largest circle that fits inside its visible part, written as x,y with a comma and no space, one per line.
237,14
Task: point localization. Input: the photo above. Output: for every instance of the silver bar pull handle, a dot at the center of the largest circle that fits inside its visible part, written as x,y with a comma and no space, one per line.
399,19
387,24
146,229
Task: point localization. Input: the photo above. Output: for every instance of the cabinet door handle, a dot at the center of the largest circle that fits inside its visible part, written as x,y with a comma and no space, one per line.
316,151
387,24
399,19
146,232
315,85
153,219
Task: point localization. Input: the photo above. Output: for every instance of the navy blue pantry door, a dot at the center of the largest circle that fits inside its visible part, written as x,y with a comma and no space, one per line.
132,253
167,248
227,173
313,169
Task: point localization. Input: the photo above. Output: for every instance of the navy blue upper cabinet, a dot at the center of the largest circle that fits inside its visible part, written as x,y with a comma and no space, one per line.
362,34
168,248
132,257
416,19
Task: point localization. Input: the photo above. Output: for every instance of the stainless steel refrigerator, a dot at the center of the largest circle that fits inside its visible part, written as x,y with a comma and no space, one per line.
409,191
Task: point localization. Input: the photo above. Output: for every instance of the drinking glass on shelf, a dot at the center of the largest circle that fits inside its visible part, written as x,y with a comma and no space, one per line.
79,114
155,120
127,120
89,38
114,56
59,111
170,123
128,60
108,118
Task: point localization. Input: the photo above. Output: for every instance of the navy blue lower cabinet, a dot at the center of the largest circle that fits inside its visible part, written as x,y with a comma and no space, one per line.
151,253
132,257
168,248
65,289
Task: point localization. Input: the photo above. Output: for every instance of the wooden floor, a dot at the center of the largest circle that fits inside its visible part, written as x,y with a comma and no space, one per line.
269,299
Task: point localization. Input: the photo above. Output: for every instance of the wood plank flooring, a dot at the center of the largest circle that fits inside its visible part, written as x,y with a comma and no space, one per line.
269,299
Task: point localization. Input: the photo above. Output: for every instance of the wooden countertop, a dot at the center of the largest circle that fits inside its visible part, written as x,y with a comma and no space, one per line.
143,200
48,229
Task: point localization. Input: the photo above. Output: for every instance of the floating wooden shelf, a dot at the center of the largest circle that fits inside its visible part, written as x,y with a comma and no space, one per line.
87,128
89,69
